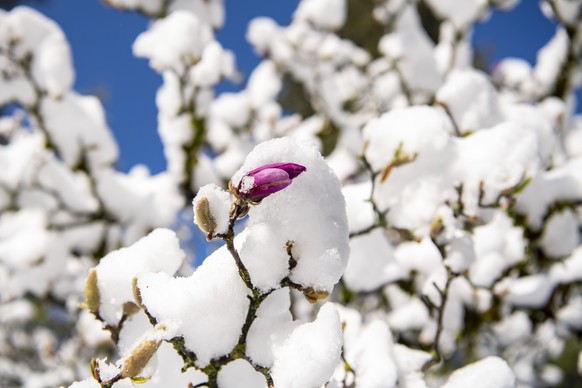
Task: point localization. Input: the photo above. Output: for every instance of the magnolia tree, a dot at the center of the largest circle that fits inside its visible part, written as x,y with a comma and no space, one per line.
437,243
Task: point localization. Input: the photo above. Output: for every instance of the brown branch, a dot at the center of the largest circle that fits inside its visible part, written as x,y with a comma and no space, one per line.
348,369
256,298
437,356
564,85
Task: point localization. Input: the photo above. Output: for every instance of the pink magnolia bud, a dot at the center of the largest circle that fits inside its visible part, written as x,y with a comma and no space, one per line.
268,179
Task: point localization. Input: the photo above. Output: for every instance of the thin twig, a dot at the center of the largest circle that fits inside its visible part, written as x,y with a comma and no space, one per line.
444,293
256,297
202,384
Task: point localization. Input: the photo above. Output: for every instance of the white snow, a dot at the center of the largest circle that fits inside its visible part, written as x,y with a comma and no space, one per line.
157,252
372,263
373,357
327,14
77,124
52,67
561,234
569,270
310,213
449,148
272,326
209,307
513,328
23,238
219,202
129,195
460,13
313,348
176,40
532,291
240,374
490,372
563,183
550,59
419,133
418,67
263,250
359,208
471,100
498,246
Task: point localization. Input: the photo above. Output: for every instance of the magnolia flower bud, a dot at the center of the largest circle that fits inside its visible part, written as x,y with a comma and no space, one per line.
313,295
94,368
204,218
266,180
130,308
136,293
139,357
436,227
92,291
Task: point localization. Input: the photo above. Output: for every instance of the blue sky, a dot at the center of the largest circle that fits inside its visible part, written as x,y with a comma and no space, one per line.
101,40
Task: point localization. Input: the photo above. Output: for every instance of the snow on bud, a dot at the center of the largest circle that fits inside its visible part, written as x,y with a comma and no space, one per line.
140,363
157,252
314,348
138,359
102,371
312,295
266,180
310,212
212,209
136,293
94,368
203,217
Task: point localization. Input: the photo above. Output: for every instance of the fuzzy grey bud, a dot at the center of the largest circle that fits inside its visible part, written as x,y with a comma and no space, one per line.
138,359
203,216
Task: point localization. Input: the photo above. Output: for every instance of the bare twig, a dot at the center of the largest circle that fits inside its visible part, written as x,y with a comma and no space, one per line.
444,293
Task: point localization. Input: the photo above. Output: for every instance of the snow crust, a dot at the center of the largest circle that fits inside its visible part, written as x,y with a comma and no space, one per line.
77,123
472,100
328,14
460,13
159,251
240,373
209,307
304,350
219,202
489,372
51,65
310,214
372,263
498,245
358,207
128,195
178,39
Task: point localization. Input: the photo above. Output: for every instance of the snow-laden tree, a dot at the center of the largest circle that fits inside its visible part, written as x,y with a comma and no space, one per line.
436,243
